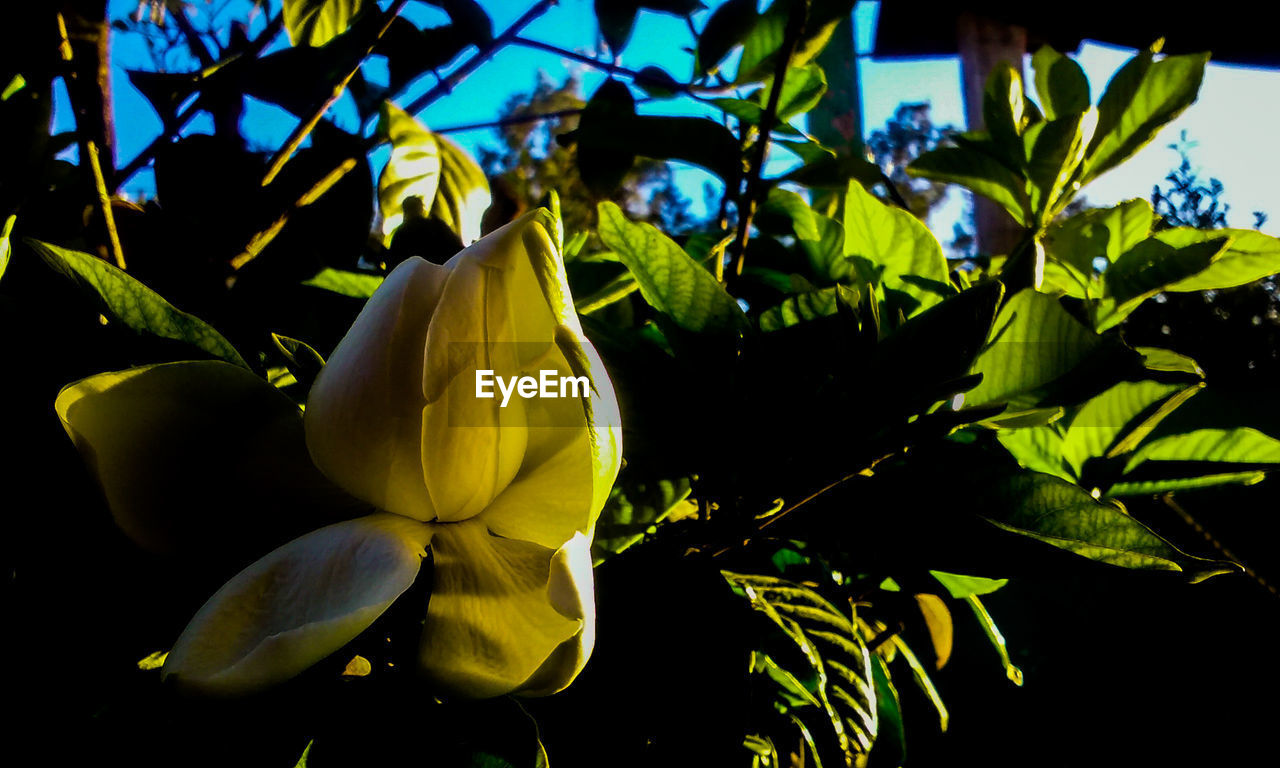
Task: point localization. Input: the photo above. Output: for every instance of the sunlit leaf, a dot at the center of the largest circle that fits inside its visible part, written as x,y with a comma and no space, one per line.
358,285
316,22
1249,256
960,586
1141,98
994,636
125,300
463,192
938,619
413,169
6,247
1061,84
980,173
1146,269
892,246
1066,516
669,278
633,509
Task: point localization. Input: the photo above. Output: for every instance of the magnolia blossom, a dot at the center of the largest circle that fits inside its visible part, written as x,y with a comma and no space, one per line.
504,498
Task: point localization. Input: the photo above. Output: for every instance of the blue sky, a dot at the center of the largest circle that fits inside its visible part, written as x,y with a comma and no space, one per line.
1233,121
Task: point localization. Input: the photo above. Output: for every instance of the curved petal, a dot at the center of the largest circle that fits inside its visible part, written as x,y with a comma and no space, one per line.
199,456
298,604
572,592
364,413
499,610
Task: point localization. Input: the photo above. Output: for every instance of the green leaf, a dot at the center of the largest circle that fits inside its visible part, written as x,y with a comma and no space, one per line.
1066,516
803,307
357,285
996,639
123,299
1249,256
891,246
786,203
801,91
6,247
301,359
1038,448
1145,270
960,587
1116,421
979,172
413,169
1061,84
1140,99
1004,113
1152,487
1100,232
633,509
463,192
670,280
153,661
306,752
1054,151
315,22
728,26
1168,361
616,20
1034,342
826,251
1243,445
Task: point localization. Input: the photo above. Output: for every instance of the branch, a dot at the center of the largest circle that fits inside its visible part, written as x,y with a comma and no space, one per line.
167,135
791,40
448,82
305,127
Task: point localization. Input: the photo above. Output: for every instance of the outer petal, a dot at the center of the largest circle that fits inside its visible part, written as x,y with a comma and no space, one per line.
499,609
298,604
364,413
572,592
199,457
493,315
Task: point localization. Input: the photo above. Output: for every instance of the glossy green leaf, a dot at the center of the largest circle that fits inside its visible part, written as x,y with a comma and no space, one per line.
1034,342
123,299
6,246
803,307
791,205
1151,487
1054,150
1038,448
1061,84
979,172
301,359
357,285
1241,445
413,169
801,91
826,251
960,586
669,278
1116,421
1004,113
1168,361
1249,256
1145,270
891,246
1141,98
1066,516
995,637
316,22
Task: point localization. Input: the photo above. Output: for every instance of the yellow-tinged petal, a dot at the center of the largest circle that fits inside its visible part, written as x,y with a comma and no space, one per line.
572,592
499,610
298,604
199,457
364,413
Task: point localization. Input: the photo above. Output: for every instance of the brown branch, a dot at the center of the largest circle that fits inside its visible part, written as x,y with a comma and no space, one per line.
86,51
747,211
262,239
194,41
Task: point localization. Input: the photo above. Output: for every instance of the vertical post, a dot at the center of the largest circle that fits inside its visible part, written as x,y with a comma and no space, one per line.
984,43
836,121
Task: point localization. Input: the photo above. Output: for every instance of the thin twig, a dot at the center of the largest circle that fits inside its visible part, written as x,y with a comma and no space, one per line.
262,239
304,128
104,203
1195,525
194,41
791,40
451,80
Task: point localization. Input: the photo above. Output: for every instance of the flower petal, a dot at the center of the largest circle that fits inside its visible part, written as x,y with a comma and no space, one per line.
572,592
499,609
364,413
298,604
199,456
